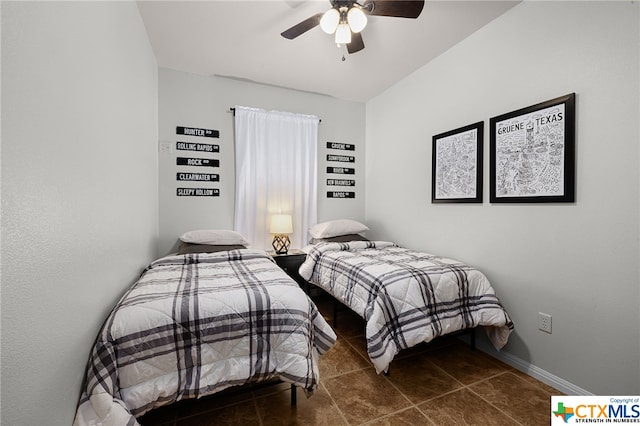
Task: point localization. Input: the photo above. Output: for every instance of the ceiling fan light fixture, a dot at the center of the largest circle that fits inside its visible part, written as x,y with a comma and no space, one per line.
329,21
357,19
343,34
347,18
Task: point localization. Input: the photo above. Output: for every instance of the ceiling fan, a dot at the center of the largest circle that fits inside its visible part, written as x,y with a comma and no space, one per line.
347,18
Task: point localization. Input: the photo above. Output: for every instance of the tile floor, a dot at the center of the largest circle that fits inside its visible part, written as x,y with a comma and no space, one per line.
440,383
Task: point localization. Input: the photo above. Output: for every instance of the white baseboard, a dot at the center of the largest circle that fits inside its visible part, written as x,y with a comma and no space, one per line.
544,376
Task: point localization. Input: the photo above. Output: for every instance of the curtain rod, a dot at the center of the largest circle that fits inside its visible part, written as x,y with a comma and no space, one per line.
233,110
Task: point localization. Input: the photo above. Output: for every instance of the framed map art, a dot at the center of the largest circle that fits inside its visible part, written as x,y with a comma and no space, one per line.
457,165
532,153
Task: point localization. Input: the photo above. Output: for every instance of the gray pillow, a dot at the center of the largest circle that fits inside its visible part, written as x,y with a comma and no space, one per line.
339,239
186,248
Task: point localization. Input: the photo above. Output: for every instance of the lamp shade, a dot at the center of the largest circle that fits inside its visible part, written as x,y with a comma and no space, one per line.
343,34
281,224
329,21
357,19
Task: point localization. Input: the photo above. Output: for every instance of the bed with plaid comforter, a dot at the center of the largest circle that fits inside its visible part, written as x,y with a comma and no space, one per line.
195,324
405,297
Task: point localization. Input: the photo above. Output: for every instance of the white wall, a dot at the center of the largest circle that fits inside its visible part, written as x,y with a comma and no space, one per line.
79,190
204,101
577,262
80,181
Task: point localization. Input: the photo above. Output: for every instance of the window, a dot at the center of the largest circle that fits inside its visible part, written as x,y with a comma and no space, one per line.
276,173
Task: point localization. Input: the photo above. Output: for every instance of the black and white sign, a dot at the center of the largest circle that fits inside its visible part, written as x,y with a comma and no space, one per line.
202,162
198,192
341,182
341,170
194,131
343,146
198,177
341,194
200,147
341,158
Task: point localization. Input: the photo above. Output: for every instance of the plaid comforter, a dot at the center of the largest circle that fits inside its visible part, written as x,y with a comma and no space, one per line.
195,324
405,297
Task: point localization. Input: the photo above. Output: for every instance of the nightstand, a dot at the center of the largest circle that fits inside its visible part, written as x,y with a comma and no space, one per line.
290,263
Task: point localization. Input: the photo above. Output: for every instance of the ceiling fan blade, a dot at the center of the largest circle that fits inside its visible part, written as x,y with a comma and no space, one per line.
397,8
302,27
357,44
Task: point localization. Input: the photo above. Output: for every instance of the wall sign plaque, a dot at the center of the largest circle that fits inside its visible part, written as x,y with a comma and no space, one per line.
341,170
341,194
343,146
341,158
198,177
200,147
341,182
202,162
198,192
194,131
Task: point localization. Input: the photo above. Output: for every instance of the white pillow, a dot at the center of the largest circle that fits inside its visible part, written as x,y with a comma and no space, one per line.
214,237
334,228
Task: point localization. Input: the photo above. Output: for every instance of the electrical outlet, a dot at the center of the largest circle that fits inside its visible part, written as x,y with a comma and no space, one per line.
544,322
165,147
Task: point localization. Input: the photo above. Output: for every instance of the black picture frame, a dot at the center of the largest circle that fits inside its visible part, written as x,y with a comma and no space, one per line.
532,153
456,166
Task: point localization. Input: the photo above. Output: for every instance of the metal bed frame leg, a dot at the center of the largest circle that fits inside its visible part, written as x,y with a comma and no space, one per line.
294,395
473,339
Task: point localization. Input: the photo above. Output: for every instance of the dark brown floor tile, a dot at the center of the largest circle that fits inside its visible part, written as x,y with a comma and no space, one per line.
192,407
359,343
163,416
527,403
503,365
544,386
466,365
243,413
419,379
463,407
153,419
340,359
438,343
324,302
363,395
410,417
271,388
350,324
318,409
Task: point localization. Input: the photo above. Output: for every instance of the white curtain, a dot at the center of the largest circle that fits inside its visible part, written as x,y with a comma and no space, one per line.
276,173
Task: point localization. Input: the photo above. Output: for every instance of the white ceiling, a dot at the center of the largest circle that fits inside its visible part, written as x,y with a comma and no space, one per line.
241,39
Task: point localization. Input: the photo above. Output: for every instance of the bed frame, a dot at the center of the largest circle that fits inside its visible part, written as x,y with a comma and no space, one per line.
334,322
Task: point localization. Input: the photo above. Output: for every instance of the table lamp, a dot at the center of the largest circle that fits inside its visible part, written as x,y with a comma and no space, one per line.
281,225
